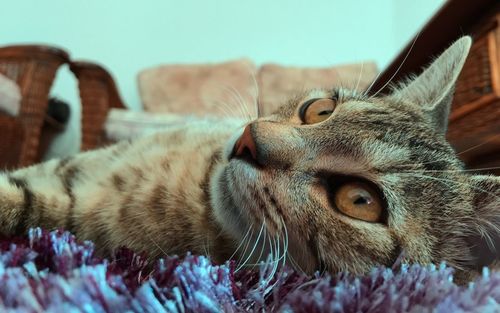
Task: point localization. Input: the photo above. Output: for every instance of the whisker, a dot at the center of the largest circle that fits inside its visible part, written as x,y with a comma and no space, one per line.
426,163
395,73
295,264
221,105
454,171
359,77
246,248
253,248
225,108
269,263
341,80
285,240
259,261
207,248
479,145
156,244
256,93
263,245
231,111
447,181
240,101
283,257
241,242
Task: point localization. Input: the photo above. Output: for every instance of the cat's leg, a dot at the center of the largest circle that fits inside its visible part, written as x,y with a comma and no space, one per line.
43,195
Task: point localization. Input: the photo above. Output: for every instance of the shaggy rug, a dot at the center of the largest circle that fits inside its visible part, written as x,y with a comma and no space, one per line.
52,272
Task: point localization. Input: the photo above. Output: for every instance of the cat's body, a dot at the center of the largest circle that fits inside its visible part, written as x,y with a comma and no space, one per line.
150,194
332,181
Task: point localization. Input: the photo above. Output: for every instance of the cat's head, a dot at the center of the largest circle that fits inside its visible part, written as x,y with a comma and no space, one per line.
343,181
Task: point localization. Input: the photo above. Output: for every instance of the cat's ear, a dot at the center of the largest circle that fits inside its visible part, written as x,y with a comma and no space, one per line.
433,89
484,234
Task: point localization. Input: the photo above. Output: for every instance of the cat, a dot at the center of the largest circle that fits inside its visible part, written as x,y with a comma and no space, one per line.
333,181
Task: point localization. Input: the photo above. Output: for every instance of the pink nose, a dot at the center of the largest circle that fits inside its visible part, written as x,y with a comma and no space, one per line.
245,145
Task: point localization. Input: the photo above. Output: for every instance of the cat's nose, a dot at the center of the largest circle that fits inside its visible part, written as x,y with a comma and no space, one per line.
245,146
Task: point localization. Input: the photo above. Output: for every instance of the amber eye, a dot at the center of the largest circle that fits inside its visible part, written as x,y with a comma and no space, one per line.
359,200
316,110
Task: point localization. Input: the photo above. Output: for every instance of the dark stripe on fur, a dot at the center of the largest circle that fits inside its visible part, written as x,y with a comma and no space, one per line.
396,253
274,203
27,208
118,182
68,175
205,183
156,204
62,164
313,247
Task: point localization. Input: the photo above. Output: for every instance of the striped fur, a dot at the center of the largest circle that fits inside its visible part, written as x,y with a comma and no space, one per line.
123,195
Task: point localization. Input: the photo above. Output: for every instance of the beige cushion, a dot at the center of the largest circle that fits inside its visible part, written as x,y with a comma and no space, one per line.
277,83
10,96
225,89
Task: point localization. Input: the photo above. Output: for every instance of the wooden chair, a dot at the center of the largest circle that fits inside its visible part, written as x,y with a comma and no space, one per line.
33,68
98,94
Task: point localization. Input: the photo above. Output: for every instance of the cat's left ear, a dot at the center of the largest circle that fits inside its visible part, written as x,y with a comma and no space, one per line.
483,235
433,89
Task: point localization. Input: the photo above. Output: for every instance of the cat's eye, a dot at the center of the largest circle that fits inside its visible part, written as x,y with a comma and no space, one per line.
316,110
360,201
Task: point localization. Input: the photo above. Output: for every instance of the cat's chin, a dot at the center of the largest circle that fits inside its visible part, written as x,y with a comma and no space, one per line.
228,208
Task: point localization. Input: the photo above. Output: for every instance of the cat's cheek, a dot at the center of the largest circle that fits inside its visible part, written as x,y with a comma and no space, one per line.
230,198
225,211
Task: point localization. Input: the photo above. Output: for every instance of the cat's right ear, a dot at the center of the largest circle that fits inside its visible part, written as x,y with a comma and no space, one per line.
433,89
483,235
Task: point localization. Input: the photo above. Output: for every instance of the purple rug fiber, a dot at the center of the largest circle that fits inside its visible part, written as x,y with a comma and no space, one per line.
52,272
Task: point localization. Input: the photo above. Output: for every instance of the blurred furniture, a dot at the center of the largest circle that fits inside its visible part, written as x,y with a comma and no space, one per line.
474,128
176,93
232,88
33,68
98,94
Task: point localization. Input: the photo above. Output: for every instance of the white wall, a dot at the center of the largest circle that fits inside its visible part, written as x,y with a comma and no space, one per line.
127,36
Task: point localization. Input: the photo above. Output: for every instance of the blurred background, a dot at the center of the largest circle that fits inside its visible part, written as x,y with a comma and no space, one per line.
129,36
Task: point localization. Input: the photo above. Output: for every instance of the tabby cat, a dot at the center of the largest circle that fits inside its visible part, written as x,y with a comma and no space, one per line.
333,180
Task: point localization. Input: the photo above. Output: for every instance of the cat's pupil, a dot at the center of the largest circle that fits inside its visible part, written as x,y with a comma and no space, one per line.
325,112
361,201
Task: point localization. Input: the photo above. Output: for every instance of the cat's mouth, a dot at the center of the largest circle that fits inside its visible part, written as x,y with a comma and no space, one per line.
253,194
245,156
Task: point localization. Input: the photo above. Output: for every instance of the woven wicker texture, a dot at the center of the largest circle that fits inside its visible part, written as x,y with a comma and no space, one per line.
475,80
10,141
98,94
33,68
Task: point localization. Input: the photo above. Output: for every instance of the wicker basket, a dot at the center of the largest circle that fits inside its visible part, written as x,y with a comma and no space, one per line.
11,141
475,87
475,118
33,68
98,93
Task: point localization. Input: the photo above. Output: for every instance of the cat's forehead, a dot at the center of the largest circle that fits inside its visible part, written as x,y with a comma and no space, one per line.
379,131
